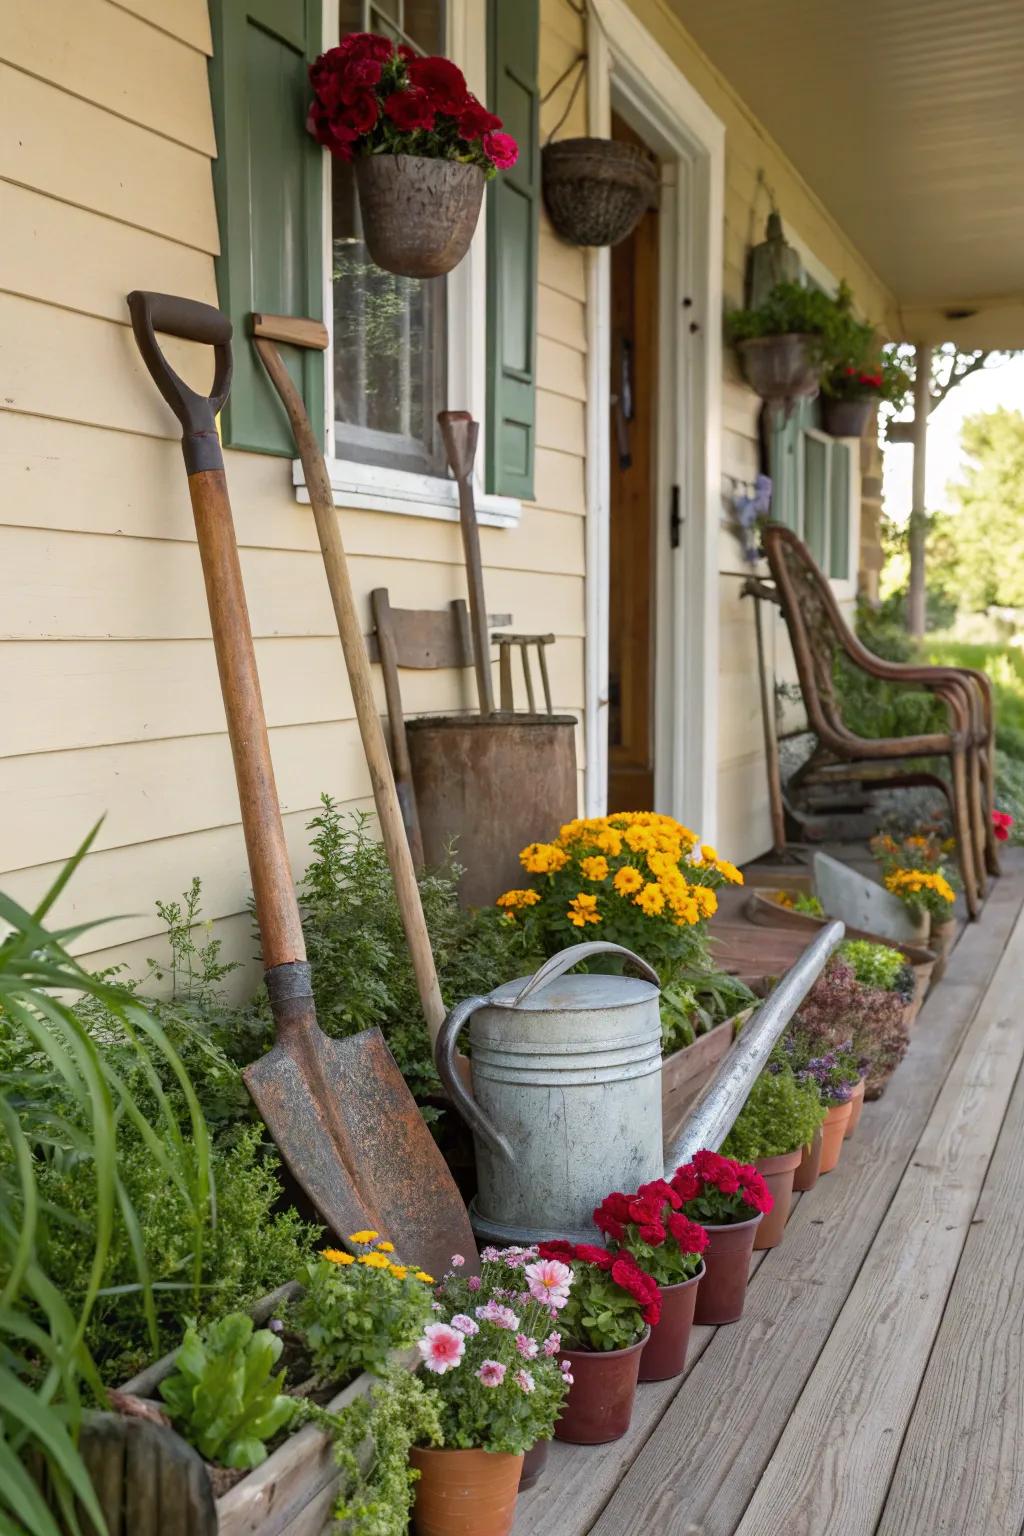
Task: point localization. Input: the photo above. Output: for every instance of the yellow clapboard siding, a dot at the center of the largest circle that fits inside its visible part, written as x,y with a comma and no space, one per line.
61,475
109,258
561,370
739,456
562,318
70,586
559,18
559,480
187,19
560,423
82,46
563,267
72,150
740,409
93,693
744,826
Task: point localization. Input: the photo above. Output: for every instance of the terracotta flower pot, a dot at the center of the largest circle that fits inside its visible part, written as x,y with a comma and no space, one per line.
806,1175
418,214
856,1105
778,1173
846,418
534,1462
833,1129
600,1401
722,1291
464,1493
664,1354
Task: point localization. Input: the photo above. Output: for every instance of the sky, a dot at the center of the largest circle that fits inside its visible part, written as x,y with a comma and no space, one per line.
984,391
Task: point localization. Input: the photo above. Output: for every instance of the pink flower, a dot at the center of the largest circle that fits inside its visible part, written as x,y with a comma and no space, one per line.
552,1344
474,1282
491,1373
566,1371
501,1317
549,1282
441,1347
526,1346
465,1324
524,1380
490,1254
457,1261
501,150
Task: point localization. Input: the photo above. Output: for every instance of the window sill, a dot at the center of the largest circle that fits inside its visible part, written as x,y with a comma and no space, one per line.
368,488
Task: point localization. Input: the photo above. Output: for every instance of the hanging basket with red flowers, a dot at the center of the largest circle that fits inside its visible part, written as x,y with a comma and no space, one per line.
422,144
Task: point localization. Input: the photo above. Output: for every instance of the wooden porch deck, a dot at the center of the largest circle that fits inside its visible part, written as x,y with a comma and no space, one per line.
875,1385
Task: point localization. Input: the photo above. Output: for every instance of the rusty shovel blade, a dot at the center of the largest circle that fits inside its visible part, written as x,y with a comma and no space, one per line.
351,1134
459,433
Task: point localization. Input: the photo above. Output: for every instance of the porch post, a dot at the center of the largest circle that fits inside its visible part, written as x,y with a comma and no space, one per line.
918,510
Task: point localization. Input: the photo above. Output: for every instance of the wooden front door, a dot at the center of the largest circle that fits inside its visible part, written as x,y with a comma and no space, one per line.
634,364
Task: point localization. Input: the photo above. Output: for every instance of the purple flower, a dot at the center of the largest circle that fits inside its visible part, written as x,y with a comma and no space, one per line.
474,1283
465,1324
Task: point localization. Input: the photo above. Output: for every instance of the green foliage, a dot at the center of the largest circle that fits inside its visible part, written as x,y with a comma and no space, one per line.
372,1438
789,310
1004,664
1010,792
807,902
878,965
223,1397
353,1315
599,1314
63,1093
873,708
781,1114
882,627
981,545
362,974
694,1001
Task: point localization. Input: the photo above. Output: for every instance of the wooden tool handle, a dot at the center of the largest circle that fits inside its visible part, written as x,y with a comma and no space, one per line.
277,910
459,433
384,794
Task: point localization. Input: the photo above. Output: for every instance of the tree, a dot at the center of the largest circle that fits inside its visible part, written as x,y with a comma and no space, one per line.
979,548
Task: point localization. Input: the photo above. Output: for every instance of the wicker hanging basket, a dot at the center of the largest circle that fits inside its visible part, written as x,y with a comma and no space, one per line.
418,214
782,369
597,190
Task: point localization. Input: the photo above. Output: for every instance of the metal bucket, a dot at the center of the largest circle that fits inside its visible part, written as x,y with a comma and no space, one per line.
491,786
565,1103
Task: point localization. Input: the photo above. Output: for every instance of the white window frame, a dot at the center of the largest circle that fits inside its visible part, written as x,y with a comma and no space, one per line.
376,488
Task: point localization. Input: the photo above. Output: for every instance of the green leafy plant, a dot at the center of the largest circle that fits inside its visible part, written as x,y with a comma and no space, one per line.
695,1001
354,1312
223,1396
781,1114
789,310
878,965
799,901
59,1083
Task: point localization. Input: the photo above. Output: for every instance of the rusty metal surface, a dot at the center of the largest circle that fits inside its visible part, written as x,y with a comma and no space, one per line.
490,787
351,1134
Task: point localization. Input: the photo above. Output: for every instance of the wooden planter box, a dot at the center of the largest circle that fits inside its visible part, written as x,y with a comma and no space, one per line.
685,1072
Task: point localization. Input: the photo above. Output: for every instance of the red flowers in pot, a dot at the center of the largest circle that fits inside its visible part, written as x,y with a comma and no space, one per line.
652,1227
728,1199
423,146
605,1322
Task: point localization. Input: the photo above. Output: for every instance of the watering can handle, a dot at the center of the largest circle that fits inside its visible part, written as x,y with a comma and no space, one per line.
446,1060
567,958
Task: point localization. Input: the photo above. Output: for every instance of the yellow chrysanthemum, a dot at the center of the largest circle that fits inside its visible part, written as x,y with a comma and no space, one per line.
398,1270
421,1274
374,1261
651,900
583,910
516,899
595,868
609,841
705,899
363,1237
728,872
542,859
627,880
336,1256
385,1247
640,839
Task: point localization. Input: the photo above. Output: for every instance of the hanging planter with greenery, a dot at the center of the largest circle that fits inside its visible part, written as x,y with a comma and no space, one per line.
422,144
783,343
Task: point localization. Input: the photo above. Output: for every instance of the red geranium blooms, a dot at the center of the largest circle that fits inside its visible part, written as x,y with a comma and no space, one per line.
719,1192
652,1228
371,96
611,1300
1002,821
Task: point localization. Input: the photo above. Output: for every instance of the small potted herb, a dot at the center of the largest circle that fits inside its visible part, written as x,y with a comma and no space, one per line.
782,343
492,1372
423,147
837,1073
651,1227
606,1322
915,869
729,1199
780,1119
887,969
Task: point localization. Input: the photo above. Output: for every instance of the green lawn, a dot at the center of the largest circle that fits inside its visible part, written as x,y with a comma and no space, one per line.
1005,666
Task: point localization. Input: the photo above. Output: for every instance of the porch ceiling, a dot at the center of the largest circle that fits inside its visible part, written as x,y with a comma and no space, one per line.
907,119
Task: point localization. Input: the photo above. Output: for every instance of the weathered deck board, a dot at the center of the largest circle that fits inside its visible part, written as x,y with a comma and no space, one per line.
832,1467
961,1467
719,1430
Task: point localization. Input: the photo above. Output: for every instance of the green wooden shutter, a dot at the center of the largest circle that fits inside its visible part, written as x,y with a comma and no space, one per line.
839,511
268,185
785,464
513,210
817,480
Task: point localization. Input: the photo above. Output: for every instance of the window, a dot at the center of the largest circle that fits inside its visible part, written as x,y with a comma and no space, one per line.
813,485
390,333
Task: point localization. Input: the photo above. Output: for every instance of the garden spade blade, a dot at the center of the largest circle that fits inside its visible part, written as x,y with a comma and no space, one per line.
339,1110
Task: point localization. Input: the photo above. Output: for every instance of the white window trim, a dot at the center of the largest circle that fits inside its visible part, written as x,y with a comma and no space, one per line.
382,489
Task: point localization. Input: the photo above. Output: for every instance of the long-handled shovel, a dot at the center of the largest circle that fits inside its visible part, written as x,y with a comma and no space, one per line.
339,1110
459,433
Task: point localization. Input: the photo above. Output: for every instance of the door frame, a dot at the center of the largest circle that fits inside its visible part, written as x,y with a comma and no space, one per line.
627,67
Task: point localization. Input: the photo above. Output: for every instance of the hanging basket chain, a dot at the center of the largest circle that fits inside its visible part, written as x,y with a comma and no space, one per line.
578,63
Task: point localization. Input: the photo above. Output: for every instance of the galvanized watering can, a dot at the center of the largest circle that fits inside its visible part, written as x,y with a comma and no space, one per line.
565,1103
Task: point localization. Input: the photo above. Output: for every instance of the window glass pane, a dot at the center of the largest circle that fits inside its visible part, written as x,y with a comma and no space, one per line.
816,496
839,541
389,332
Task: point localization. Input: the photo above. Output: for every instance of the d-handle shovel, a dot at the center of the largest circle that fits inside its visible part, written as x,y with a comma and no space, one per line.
339,1110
